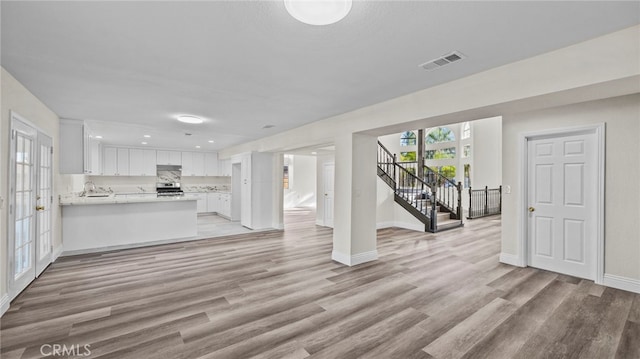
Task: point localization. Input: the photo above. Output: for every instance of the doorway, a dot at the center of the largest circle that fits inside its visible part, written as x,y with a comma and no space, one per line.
30,200
564,199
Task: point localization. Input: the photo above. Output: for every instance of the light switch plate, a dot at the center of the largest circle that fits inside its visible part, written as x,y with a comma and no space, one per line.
507,189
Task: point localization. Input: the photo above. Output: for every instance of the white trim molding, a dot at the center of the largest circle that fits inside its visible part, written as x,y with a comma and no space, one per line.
523,231
511,259
4,304
56,253
355,259
624,283
382,225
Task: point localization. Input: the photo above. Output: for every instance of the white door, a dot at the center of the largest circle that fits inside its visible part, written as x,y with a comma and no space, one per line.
562,192
31,190
327,180
246,205
44,201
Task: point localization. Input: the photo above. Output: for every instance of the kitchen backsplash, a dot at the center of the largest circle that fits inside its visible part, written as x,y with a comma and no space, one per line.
148,184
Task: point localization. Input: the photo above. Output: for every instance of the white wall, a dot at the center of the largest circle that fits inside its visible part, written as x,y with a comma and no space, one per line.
486,152
15,97
302,182
622,193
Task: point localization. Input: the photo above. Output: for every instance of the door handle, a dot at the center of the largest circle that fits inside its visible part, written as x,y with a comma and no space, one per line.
39,208
531,209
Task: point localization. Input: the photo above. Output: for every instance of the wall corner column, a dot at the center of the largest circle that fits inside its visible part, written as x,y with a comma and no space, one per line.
354,234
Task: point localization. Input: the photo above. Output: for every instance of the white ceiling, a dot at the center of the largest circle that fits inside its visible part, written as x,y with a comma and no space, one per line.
130,67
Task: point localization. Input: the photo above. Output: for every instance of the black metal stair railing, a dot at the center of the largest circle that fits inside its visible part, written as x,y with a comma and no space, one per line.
485,202
448,192
424,197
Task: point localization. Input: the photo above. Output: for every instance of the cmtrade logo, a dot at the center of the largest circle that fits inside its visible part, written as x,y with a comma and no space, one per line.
59,350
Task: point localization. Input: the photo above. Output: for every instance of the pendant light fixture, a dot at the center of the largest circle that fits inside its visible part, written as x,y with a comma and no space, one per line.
318,12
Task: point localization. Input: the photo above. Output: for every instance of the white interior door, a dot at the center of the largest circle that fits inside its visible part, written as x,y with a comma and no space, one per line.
22,212
246,202
44,202
328,181
562,192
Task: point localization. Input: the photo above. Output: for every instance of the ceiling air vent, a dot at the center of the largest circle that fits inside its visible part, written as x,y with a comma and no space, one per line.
442,61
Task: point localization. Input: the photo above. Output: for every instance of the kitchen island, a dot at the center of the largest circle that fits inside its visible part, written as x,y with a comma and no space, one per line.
94,224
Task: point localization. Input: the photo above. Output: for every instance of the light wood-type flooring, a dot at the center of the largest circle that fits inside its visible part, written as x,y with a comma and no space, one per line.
278,295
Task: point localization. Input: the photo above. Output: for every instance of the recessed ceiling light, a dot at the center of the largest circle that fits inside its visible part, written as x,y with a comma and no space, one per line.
197,146
210,141
314,153
147,136
144,143
268,126
189,119
99,137
323,12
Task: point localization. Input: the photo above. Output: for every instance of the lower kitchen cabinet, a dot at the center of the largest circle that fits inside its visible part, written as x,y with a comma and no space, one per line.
219,203
201,201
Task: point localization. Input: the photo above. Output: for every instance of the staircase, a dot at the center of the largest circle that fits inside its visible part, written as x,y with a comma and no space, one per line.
433,199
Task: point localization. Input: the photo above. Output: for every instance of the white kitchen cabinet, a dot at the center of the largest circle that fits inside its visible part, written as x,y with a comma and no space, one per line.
79,150
225,205
224,167
169,157
115,161
257,180
213,202
201,200
192,164
142,162
211,164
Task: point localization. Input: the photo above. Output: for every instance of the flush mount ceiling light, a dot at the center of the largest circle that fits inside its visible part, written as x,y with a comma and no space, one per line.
211,141
189,119
147,136
318,12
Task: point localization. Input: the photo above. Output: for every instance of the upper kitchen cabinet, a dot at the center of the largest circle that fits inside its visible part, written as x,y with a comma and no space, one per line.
169,158
142,162
115,161
211,164
79,150
192,164
224,167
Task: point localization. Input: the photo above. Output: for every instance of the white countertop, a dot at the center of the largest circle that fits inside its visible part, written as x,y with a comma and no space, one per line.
114,199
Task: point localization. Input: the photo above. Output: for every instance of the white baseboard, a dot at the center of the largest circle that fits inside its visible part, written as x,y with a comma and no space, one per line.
381,225
511,259
4,304
56,253
624,283
411,226
355,259
319,222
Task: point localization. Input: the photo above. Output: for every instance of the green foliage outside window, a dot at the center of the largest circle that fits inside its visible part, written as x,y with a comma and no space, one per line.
408,156
440,134
440,154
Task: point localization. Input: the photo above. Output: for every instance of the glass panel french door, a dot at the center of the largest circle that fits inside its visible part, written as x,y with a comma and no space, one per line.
31,188
44,200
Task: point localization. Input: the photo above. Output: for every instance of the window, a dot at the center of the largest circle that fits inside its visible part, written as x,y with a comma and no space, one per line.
408,138
466,151
444,153
447,171
466,131
408,156
467,175
440,134
285,177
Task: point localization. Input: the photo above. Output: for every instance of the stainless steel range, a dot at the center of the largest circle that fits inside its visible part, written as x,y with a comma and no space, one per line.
168,180
169,189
